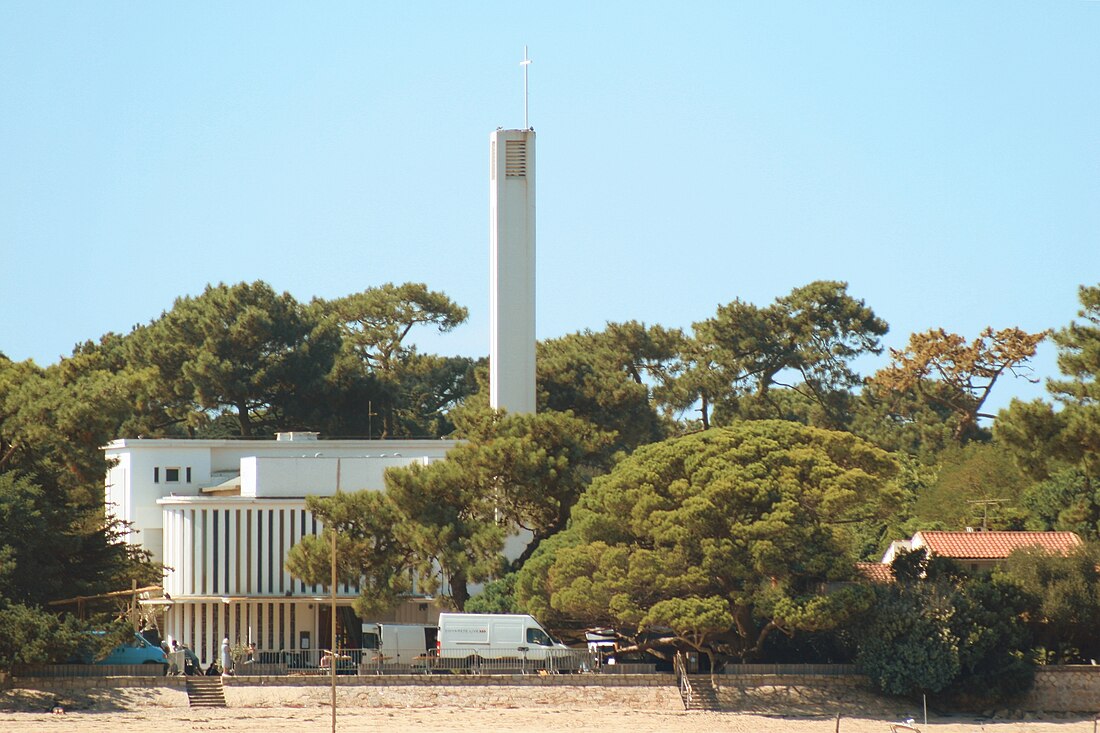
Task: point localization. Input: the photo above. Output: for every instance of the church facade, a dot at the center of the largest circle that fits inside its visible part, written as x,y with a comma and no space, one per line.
222,515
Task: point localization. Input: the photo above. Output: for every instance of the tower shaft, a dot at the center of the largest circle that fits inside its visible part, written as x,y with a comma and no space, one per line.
512,270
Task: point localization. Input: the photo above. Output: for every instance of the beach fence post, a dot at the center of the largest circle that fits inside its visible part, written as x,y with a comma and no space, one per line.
838,723
924,696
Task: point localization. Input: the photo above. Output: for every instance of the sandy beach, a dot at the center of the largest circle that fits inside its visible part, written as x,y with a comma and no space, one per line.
444,709
494,720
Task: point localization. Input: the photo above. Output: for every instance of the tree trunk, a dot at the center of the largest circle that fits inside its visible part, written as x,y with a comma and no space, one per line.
242,420
459,592
530,549
704,409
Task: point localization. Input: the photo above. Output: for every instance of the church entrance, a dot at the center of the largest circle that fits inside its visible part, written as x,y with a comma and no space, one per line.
349,628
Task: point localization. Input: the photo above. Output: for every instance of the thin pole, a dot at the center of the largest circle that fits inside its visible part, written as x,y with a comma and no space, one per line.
332,656
525,64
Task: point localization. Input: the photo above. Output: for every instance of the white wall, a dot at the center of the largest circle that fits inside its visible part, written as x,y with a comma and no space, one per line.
132,493
270,476
228,546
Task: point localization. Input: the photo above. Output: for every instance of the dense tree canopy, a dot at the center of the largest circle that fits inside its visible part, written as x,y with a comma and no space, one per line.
722,536
805,342
242,347
935,630
513,473
55,541
1060,448
943,370
409,389
615,379
371,549
977,485
1064,592
717,539
535,466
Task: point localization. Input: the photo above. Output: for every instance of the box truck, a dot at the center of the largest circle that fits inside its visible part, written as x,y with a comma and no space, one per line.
496,636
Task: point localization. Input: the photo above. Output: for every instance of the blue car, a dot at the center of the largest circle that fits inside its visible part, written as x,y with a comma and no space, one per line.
136,651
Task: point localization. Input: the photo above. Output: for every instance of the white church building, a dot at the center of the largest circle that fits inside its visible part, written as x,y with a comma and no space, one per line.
221,515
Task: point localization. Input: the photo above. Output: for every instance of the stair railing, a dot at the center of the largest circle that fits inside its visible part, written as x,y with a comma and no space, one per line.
686,693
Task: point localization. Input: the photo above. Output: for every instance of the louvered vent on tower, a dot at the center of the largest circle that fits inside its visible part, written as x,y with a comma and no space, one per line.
515,158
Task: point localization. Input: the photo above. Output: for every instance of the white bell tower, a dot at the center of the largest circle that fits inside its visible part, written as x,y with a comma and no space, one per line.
512,270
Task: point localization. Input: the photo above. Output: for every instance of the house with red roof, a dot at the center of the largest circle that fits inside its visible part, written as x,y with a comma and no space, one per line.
976,550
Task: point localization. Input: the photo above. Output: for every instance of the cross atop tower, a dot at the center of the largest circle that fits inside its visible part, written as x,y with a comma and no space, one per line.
525,64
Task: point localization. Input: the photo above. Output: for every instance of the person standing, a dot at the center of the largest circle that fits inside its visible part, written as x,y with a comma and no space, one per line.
225,656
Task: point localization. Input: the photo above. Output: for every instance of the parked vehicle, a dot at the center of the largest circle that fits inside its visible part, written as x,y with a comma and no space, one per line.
495,636
399,643
135,651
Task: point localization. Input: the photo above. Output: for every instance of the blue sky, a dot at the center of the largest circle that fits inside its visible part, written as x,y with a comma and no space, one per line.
941,157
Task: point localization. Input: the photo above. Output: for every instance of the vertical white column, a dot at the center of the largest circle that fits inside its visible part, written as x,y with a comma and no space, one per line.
512,270
286,518
233,550
225,550
205,552
167,517
254,521
192,536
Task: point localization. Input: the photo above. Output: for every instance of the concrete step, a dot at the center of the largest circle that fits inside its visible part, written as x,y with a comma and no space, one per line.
205,692
703,696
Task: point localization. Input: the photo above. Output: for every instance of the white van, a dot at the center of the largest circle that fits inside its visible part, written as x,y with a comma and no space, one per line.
495,636
398,643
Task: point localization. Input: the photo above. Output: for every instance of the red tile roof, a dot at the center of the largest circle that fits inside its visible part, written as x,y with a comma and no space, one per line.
875,572
995,545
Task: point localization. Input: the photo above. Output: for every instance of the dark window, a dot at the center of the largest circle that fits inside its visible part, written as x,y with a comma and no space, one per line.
188,474
172,475
538,636
156,474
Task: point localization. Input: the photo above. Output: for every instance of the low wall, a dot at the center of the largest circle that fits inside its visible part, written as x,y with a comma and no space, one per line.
1064,689
621,692
38,694
851,695
1068,689
455,680
624,692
